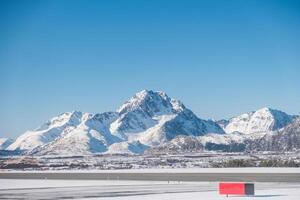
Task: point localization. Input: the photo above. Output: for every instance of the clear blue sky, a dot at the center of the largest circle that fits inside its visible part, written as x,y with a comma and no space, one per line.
220,58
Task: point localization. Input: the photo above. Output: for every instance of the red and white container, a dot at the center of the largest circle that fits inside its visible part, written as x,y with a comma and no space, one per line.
226,188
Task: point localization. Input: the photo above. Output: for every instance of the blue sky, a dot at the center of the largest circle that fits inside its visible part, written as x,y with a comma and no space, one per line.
220,58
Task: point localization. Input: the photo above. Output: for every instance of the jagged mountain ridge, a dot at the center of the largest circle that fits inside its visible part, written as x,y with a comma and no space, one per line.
90,136
48,132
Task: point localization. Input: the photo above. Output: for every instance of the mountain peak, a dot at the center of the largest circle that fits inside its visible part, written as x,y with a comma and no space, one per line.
268,110
261,121
143,93
61,119
76,112
151,102
265,109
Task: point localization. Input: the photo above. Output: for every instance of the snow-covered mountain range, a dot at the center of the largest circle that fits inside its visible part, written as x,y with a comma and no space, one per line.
149,121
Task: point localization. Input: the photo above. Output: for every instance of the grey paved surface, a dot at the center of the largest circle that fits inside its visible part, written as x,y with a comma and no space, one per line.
205,177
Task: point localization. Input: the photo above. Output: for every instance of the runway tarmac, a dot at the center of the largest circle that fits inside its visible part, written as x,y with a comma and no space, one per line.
134,190
163,176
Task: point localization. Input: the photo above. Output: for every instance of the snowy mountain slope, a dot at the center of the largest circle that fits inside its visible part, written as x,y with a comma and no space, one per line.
261,121
47,132
101,123
137,114
180,144
90,136
187,123
126,148
171,126
228,138
285,139
153,118
250,129
5,142
154,135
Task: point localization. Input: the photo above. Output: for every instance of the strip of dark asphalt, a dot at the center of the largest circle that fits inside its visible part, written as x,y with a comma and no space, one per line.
204,177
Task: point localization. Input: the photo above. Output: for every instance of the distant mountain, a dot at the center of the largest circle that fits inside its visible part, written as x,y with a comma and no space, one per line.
5,142
286,139
263,130
153,122
260,121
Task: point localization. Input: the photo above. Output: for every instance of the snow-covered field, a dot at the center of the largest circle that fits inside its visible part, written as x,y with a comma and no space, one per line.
78,189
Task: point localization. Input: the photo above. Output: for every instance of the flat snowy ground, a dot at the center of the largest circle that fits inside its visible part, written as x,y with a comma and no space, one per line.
78,189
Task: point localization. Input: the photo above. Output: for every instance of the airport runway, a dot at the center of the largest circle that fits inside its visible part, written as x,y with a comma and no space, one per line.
163,176
134,190
114,190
